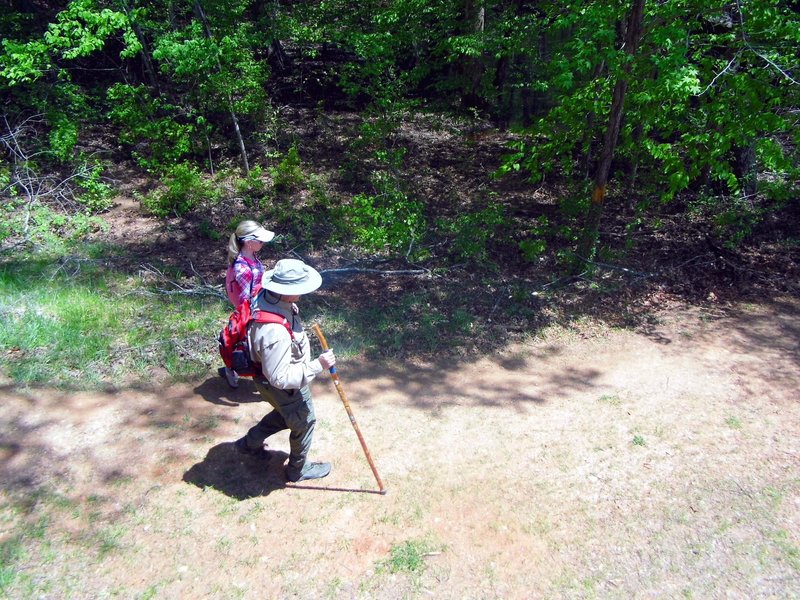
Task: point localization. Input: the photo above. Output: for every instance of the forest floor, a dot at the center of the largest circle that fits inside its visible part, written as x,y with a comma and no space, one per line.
655,457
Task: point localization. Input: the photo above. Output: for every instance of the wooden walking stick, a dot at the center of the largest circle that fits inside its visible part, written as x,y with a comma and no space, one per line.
343,396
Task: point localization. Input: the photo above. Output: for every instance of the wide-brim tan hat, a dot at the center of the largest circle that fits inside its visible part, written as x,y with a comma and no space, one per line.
259,234
291,277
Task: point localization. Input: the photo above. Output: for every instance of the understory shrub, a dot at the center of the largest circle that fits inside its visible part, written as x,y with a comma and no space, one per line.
388,220
185,189
472,231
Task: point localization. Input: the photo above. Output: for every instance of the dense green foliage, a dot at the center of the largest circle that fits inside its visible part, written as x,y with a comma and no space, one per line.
188,87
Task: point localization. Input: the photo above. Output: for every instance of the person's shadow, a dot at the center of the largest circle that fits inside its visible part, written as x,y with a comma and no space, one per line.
236,475
217,391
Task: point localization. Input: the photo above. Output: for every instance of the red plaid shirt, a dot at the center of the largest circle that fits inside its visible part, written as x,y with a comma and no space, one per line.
247,276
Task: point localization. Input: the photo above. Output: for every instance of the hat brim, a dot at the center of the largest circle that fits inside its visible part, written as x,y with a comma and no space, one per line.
308,285
263,235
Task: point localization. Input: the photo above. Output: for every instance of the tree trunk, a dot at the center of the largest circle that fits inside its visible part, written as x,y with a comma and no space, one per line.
633,34
632,170
277,57
503,112
589,141
472,66
237,131
149,70
745,168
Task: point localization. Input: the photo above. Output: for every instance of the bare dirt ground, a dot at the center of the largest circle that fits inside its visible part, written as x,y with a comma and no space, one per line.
654,463
660,460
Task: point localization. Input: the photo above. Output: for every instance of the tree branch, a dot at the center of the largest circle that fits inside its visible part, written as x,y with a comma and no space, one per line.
615,267
747,43
181,290
379,271
781,71
718,75
365,269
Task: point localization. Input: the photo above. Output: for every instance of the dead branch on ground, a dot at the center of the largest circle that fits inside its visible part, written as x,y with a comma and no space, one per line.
376,271
357,269
178,289
625,270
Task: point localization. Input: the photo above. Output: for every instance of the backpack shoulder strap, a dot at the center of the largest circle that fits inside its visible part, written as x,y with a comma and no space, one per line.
263,316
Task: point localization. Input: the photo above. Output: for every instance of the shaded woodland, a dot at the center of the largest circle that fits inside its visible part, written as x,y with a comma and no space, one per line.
550,143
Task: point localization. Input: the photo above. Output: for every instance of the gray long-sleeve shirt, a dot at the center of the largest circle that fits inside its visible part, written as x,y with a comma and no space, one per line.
286,364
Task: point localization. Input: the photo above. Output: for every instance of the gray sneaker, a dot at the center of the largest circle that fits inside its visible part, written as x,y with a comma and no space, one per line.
310,471
231,376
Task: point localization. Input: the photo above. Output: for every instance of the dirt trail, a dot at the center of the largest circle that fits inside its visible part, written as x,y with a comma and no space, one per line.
663,462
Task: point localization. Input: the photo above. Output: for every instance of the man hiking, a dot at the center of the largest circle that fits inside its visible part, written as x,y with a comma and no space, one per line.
287,369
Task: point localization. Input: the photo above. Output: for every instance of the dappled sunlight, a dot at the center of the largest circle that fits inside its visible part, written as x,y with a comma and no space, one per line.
538,379
538,228
758,346
84,437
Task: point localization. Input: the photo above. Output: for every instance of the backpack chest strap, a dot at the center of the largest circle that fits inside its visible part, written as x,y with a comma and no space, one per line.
263,316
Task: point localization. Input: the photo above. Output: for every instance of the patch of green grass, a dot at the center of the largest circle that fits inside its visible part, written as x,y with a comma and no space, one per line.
638,440
208,423
57,500
229,506
407,557
334,587
789,551
538,525
224,545
775,495
462,321
78,322
82,322
122,480
390,518
12,552
610,399
733,422
255,511
108,540
149,593
416,321
589,584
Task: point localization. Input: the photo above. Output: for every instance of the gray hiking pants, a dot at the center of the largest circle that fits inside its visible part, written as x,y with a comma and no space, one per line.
292,410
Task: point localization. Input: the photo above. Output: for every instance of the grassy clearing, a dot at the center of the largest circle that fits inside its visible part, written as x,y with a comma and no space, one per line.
77,321
81,323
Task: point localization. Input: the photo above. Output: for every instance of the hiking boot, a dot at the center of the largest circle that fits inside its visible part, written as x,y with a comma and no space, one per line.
230,375
310,471
242,447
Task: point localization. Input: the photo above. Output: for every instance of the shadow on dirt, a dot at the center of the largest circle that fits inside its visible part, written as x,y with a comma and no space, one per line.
237,476
215,391
427,386
242,477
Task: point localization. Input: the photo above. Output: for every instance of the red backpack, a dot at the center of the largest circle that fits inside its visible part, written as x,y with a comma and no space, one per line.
233,344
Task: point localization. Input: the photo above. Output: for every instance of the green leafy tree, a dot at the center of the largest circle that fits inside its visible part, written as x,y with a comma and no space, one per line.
160,133
37,69
708,99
